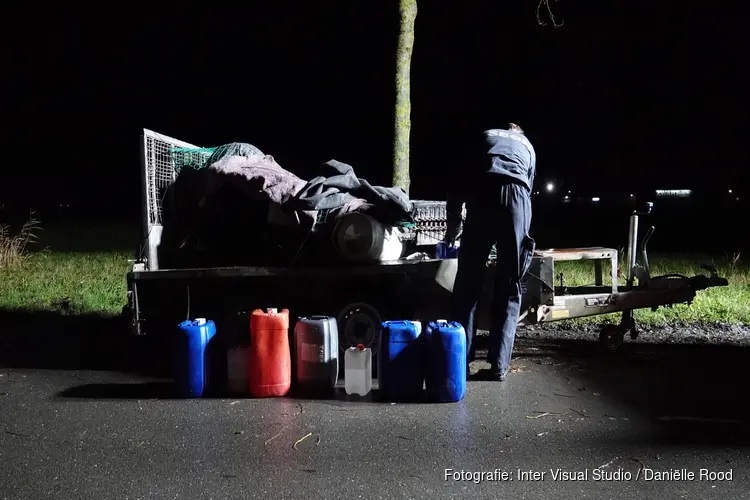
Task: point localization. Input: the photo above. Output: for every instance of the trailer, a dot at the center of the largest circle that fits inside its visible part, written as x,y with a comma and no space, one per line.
362,296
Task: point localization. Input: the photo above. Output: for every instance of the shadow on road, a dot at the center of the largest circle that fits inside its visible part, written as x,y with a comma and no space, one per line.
51,340
147,390
688,393
691,394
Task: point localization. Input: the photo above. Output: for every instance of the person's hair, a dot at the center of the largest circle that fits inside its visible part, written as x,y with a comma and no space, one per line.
515,128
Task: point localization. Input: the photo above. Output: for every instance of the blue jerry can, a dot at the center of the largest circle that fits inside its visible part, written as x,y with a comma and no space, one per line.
446,361
401,360
191,377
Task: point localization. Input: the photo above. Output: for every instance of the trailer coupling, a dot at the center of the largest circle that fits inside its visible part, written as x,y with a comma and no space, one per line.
702,282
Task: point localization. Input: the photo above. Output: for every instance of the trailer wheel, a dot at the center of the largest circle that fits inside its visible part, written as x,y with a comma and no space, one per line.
611,337
359,323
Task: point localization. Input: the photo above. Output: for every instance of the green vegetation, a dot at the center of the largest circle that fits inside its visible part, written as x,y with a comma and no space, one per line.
67,282
14,247
58,275
66,269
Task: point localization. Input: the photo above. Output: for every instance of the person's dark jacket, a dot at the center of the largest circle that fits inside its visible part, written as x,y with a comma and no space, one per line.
500,153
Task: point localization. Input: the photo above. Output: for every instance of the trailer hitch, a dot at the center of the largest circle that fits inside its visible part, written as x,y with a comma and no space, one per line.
701,282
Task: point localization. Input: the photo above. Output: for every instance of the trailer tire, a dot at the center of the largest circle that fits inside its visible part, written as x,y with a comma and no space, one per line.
359,323
611,337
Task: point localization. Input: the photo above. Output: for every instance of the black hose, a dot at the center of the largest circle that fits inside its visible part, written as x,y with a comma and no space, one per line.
644,253
532,275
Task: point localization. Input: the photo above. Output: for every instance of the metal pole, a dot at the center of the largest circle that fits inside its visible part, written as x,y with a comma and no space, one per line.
632,249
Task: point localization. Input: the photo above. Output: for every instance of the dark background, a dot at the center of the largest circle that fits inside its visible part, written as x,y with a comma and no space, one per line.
625,97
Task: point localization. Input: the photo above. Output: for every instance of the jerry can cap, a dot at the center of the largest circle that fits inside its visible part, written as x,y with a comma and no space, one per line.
272,310
360,347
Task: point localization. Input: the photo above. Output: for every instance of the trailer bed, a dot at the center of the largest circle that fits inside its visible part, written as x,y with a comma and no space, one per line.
398,289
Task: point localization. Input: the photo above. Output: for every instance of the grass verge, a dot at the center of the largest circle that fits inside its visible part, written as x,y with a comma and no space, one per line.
80,282
70,283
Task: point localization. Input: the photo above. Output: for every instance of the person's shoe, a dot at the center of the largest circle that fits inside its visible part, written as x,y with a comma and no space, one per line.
498,374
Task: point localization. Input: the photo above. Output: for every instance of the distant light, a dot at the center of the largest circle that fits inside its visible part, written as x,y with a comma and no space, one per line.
677,193
595,199
632,196
567,197
568,192
550,187
730,191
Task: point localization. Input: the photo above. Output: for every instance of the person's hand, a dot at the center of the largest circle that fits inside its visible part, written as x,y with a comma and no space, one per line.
451,235
454,228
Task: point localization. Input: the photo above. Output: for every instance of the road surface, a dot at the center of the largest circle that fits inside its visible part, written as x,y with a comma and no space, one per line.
650,422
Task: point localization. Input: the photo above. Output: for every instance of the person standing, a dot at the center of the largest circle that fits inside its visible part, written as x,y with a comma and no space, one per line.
496,186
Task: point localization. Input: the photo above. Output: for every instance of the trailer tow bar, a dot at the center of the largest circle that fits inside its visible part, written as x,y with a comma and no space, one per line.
652,291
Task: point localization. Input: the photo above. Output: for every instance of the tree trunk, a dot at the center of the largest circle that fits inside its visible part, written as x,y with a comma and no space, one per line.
408,12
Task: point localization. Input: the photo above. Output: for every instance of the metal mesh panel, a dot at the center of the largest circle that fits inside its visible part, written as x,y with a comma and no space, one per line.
195,158
159,163
161,175
164,156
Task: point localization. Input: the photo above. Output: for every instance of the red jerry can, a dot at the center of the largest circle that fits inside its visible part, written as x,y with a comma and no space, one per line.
269,363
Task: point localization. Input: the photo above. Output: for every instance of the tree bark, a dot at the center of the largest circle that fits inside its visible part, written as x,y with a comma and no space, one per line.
402,131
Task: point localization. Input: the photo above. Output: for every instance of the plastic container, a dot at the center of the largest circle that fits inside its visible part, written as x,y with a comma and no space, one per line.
358,370
192,363
316,341
401,360
360,238
446,361
443,251
237,370
269,364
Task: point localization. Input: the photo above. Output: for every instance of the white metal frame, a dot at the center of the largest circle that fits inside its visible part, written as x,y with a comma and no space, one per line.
152,225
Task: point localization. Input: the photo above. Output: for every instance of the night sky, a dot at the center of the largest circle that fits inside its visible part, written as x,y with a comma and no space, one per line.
625,92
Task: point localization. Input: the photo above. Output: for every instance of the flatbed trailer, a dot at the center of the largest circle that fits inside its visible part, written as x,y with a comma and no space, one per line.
362,296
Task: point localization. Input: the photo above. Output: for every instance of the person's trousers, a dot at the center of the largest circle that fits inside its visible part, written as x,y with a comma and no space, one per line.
500,216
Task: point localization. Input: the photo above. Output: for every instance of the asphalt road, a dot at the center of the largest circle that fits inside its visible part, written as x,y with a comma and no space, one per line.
623,420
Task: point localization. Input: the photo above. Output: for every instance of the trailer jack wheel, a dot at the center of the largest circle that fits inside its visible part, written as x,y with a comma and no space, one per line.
611,337
630,327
